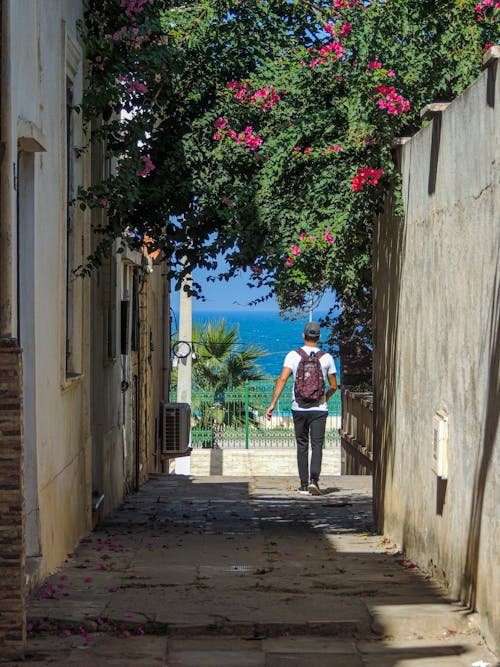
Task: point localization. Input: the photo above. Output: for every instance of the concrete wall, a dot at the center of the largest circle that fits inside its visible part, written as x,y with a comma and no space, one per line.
256,462
437,347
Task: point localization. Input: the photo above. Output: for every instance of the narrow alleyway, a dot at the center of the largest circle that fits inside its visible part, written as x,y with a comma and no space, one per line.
233,572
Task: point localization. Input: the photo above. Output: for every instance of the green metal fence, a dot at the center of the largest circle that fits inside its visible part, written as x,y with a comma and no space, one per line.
238,420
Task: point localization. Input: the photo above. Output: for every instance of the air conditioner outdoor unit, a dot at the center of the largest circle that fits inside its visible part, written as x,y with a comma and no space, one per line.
175,419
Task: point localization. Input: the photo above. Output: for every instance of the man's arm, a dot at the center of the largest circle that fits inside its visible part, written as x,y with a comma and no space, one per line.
332,382
280,385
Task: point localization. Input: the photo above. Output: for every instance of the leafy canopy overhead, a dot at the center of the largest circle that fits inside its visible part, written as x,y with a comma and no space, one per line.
261,129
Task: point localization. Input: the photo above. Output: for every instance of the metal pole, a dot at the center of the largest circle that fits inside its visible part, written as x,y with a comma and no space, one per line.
246,413
184,368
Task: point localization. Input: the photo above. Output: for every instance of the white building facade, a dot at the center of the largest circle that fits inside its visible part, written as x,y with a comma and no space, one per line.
83,362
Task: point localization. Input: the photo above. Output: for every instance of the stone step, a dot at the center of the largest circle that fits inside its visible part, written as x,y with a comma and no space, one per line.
400,620
302,651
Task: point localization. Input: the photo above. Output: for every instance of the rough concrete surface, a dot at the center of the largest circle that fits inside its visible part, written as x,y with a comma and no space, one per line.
235,572
437,354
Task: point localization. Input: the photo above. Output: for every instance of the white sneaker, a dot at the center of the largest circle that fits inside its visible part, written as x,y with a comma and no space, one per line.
313,488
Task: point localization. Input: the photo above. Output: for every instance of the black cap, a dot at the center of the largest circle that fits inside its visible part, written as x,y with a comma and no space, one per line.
311,330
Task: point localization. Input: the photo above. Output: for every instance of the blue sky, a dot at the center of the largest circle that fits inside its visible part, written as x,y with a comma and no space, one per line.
233,295
221,295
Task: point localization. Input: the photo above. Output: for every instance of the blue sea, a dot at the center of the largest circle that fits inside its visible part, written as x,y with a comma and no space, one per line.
267,330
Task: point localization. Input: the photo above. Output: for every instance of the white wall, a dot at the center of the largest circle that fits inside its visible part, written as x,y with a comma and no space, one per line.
45,50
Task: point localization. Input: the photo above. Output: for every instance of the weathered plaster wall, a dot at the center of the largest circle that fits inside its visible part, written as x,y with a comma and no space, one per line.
437,345
45,53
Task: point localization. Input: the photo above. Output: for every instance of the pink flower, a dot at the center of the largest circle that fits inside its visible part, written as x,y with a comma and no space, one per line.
345,4
148,167
289,261
345,30
137,85
308,150
366,175
391,101
375,64
391,73
328,238
221,123
335,47
295,250
302,236
217,136
336,149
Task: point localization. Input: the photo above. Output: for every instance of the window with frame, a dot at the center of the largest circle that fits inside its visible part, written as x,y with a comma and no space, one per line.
73,222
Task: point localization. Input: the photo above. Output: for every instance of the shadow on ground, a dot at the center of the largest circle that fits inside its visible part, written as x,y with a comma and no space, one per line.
247,561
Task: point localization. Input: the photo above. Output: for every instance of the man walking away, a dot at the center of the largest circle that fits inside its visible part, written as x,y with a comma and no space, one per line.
310,367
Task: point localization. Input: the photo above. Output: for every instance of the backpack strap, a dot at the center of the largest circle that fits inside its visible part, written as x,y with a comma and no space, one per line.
303,354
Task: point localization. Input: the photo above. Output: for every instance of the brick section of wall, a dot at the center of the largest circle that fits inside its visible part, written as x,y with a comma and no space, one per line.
12,552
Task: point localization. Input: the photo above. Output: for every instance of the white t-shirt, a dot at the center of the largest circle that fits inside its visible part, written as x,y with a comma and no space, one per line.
292,360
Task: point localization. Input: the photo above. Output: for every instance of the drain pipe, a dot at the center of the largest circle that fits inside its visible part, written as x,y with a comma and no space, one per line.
8,178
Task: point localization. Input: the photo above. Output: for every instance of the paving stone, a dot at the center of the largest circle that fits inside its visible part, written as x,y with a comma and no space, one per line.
220,658
404,619
308,578
313,660
309,645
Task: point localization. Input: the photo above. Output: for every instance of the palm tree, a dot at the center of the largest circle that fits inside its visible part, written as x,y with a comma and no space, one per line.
222,362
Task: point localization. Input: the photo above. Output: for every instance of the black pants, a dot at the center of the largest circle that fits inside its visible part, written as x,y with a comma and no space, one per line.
309,425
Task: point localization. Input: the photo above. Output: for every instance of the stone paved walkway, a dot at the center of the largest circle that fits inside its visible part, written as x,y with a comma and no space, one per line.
229,572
